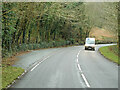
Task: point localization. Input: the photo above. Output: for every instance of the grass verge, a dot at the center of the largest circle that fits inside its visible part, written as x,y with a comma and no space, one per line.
9,74
110,52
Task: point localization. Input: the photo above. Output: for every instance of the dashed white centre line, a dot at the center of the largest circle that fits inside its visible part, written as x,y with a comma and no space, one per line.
77,60
77,56
79,67
83,76
86,82
78,53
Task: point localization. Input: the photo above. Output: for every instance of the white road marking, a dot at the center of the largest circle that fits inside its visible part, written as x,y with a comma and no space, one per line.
79,67
77,56
22,73
83,76
39,63
9,86
25,71
78,53
77,60
34,67
45,58
86,82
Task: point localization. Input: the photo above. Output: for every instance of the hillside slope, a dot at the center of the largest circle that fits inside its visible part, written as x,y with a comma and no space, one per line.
103,35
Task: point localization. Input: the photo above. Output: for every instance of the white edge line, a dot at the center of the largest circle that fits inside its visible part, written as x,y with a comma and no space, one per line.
45,58
39,62
25,71
9,86
85,80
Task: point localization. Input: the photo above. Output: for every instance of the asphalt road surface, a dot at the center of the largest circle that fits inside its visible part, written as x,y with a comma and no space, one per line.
68,67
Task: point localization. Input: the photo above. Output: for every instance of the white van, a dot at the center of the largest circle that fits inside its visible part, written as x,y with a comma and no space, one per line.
90,43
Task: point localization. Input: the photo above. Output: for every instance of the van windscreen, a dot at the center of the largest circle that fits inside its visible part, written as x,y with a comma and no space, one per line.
90,41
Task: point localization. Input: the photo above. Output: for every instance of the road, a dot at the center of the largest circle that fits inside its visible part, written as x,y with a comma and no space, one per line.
68,67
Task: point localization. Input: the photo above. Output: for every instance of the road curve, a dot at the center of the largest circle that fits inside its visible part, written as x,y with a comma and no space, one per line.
70,67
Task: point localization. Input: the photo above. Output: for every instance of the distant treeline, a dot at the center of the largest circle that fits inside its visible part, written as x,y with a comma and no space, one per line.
42,25
27,25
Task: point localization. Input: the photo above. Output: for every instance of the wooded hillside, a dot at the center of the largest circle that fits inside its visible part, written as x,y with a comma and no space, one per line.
27,26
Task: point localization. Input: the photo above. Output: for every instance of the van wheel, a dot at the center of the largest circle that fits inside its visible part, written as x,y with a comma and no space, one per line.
85,48
93,49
